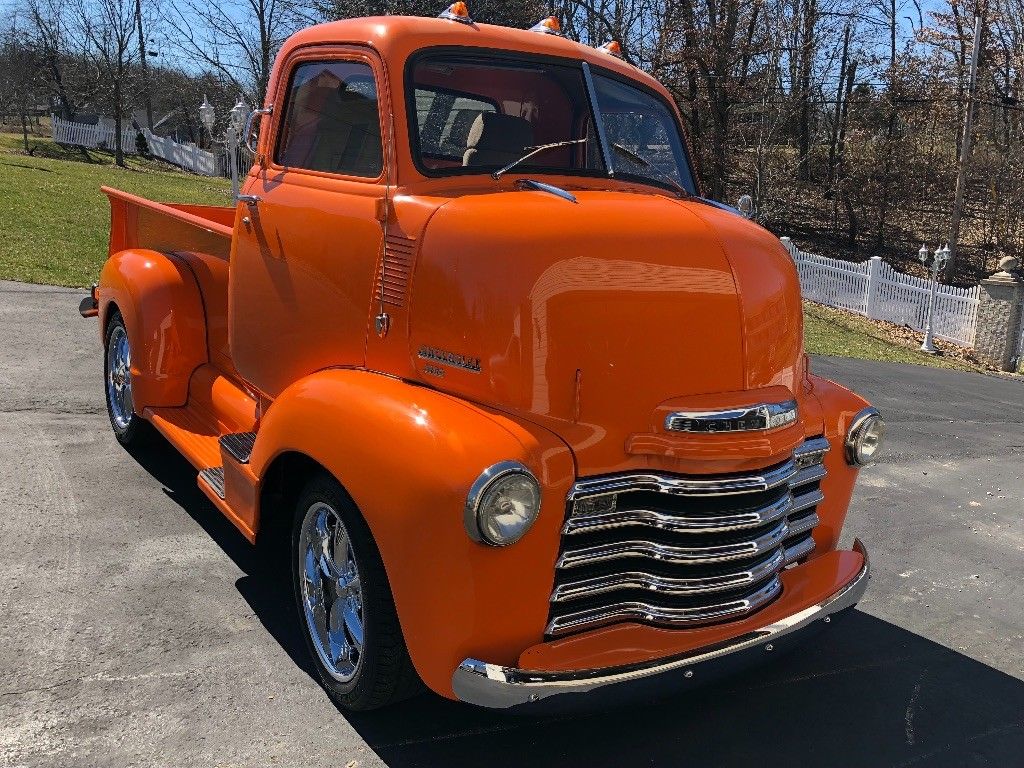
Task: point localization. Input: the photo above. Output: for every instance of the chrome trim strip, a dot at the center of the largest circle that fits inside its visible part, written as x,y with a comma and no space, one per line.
669,554
803,525
551,189
810,474
664,585
806,500
802,548
754,418
493,685
684,486
662,615
811,451
681,523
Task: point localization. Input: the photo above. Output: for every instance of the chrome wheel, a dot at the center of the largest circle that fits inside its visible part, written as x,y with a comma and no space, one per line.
332,597
119,379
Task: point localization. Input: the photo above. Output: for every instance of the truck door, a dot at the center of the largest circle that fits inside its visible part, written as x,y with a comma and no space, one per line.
305,251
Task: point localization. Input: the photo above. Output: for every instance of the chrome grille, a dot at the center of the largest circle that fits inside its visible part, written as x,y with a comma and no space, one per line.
676,550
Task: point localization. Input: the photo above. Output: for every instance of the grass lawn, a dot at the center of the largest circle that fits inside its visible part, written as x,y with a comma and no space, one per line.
53,218
830,331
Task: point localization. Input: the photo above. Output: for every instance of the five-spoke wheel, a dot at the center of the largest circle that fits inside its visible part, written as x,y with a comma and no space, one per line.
332,598
345,603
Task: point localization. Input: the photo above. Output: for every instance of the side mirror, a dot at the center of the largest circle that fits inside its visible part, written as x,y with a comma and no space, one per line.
745,205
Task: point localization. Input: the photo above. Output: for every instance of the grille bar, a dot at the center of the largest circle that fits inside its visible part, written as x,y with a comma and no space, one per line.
685,486
658,614
574,590
683,523
679,555
679,550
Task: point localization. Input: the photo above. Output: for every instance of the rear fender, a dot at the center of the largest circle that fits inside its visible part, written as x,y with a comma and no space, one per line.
159,299
407,455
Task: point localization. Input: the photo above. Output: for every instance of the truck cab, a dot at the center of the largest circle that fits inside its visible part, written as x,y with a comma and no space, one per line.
529,418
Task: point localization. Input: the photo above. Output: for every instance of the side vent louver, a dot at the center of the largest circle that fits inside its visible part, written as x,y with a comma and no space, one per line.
399,252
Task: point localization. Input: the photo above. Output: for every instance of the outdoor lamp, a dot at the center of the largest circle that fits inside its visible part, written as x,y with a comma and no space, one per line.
206,115
238,114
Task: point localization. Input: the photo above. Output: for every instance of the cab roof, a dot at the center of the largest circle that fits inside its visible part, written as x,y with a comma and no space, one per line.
395,38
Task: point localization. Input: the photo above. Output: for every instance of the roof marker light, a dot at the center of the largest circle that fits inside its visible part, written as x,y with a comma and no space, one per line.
456,12
612,47
549,26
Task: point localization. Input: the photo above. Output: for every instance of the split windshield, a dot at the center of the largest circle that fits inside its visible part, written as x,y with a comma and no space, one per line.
478,113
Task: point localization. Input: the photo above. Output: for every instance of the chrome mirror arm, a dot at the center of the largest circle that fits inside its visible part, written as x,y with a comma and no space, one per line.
247,134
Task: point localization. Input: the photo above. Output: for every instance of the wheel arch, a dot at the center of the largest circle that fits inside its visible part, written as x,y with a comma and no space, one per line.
161,304
407,455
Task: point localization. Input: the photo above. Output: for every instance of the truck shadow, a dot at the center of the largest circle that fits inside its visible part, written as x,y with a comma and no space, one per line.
867,693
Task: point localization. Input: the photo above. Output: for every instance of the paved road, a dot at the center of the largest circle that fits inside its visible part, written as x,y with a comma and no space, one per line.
138,628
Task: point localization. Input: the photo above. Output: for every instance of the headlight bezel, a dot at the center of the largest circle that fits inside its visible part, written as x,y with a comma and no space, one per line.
478,492
858,428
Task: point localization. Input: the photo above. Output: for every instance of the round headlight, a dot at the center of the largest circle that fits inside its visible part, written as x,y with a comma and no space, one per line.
864,439
502,504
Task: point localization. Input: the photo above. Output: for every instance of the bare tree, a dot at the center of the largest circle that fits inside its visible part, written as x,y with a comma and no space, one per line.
109,27
236,38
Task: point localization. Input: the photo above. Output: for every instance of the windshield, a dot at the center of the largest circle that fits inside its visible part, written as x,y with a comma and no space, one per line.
478,113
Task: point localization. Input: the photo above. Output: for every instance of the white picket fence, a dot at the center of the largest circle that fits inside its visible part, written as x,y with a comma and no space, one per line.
876,290
187,156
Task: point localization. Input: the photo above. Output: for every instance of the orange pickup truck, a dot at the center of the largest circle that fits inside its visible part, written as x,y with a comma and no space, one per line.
531,417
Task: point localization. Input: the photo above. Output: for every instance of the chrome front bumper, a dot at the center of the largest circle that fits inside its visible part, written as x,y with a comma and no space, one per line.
495,686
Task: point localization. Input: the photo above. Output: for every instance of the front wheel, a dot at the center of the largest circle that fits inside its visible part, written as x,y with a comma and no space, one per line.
345,603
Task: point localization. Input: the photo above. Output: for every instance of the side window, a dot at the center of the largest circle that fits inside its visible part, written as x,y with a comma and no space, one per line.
331,121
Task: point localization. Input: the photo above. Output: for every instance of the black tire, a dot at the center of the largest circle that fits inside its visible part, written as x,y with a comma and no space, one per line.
130,429
384,673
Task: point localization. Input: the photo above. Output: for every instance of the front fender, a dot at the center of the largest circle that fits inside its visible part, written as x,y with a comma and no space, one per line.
408,455
838,407
162,307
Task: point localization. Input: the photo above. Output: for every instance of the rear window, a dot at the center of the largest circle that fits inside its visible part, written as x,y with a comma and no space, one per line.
331,121
477,113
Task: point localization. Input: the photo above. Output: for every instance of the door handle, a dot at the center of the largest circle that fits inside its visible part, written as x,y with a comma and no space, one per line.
249,200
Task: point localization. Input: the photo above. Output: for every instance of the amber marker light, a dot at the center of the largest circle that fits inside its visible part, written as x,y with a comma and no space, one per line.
612,47
456,12
548,26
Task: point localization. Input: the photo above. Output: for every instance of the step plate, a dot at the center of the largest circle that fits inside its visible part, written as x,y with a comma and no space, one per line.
239,445
214,477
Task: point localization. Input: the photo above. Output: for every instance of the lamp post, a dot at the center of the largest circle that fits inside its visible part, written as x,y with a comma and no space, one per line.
206,116
938,262
239,113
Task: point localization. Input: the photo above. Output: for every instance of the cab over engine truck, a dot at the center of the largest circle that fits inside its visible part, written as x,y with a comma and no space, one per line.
531,416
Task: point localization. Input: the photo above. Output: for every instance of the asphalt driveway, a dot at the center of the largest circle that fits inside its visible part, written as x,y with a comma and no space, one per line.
138,628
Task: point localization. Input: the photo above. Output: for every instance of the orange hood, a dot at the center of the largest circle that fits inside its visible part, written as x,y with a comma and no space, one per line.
593,318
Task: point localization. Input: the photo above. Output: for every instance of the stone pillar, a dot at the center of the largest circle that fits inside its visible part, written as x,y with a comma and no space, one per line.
999,316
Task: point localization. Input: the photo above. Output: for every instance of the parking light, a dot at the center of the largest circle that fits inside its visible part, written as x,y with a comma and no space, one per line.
456,12
549,26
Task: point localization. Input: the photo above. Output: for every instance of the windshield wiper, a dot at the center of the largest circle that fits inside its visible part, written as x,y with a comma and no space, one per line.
536,151
644,162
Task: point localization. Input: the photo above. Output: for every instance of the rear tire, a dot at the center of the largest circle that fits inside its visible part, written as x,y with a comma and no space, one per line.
130,429
344,602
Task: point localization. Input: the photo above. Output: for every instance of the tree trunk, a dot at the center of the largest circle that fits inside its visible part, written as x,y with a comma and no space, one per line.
118,149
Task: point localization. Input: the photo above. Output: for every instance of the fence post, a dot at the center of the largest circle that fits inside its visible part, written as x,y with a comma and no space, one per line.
874,274
788,243
999,316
